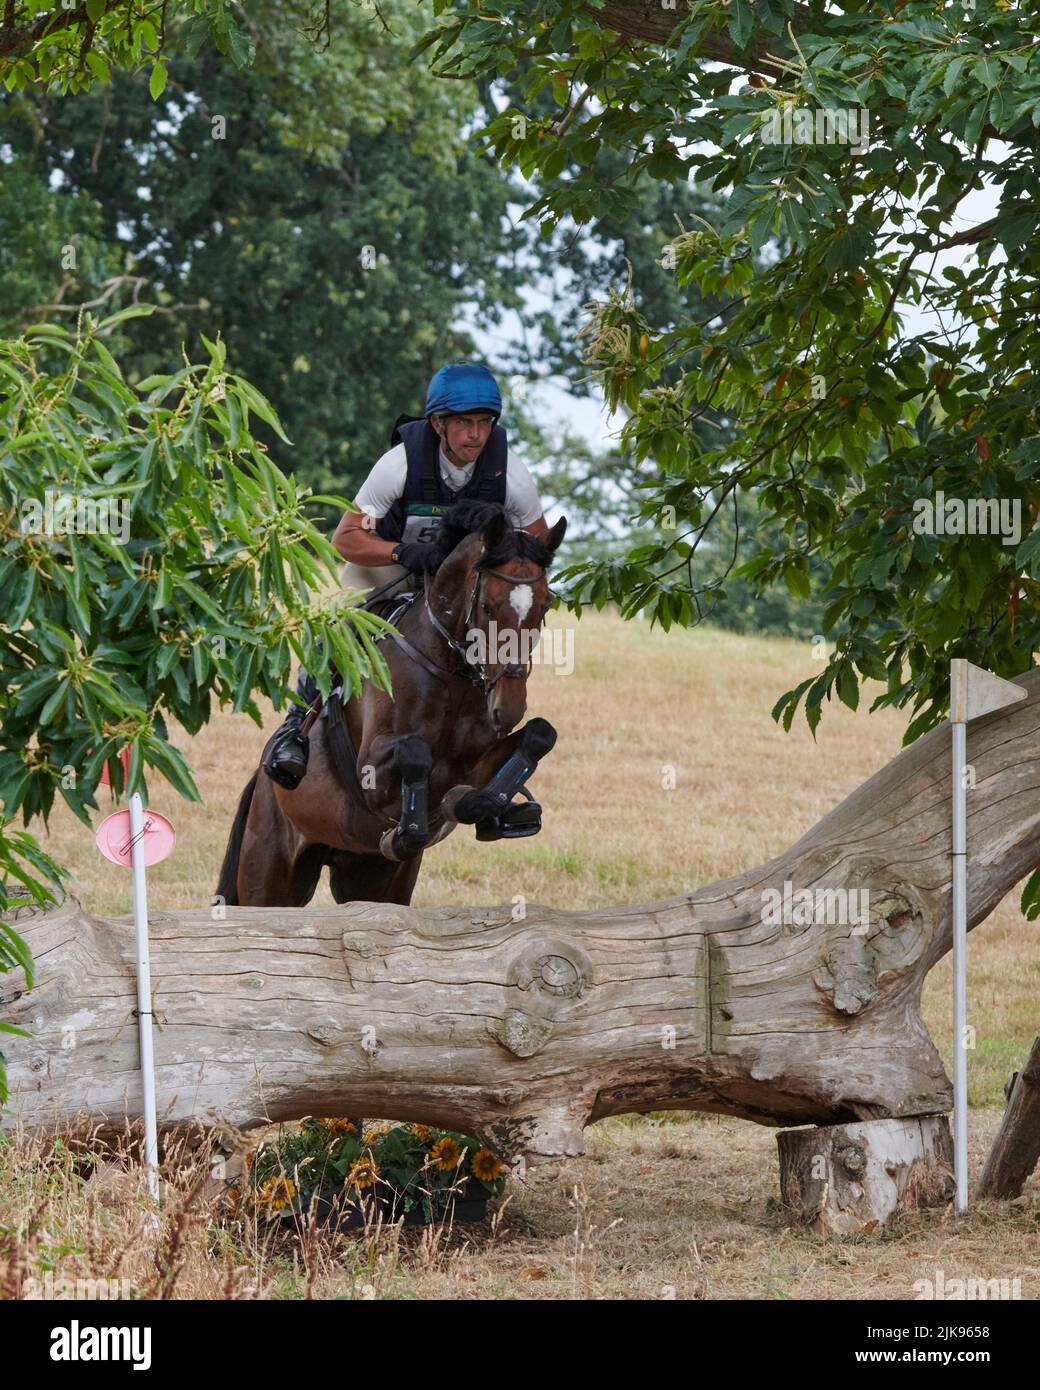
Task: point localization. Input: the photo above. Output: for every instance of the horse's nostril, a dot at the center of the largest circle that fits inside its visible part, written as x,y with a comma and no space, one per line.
502,721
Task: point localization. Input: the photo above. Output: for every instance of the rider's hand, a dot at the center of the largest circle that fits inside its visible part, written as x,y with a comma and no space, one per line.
420,557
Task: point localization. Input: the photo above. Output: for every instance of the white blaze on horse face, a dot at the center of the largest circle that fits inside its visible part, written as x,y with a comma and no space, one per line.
521,596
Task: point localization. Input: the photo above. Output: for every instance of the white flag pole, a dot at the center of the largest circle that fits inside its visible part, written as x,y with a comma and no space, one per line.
144,997
960,964
973,692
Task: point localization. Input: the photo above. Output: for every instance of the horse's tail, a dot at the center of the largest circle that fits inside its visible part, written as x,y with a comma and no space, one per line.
227,888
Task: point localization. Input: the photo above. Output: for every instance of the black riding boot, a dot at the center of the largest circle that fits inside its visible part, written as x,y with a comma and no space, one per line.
286,761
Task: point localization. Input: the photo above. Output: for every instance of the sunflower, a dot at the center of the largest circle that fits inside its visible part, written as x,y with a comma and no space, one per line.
250,1158
446,1154
363,1174
278,1192
340,1127
423,1132
485,1166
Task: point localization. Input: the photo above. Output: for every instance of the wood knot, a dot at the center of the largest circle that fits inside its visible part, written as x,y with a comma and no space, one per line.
559,975
853,1159
522,1034
552,968
506,1095
887,938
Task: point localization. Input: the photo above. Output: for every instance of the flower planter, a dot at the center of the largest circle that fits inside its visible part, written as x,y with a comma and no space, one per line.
331,1212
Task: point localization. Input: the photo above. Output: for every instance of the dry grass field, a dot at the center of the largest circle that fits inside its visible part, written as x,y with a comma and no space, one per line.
673,1205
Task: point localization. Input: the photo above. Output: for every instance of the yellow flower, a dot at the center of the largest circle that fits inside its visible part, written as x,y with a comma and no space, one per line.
423,1132
278,1192
446,1154
250,1156
363,1174
233,1193
340,1127
485,1166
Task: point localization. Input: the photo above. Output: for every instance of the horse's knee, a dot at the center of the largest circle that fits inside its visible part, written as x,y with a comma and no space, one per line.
413,759
537,738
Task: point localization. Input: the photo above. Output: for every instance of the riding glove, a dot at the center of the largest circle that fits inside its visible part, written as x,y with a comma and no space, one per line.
420,557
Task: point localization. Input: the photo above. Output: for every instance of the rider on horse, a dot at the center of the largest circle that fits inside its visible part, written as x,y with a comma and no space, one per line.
456,451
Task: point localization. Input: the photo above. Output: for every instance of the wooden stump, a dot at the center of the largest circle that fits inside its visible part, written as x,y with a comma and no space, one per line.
1017,1146
851,1179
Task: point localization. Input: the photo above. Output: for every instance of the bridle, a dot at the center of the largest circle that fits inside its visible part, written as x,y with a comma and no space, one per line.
476,671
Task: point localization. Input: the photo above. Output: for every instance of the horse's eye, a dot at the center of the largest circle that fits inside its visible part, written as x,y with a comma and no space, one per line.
487,609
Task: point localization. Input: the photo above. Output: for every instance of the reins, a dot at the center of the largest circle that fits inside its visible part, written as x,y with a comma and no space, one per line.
475,671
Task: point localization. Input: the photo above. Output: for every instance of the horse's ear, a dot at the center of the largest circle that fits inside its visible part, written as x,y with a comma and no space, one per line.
556,535
493,533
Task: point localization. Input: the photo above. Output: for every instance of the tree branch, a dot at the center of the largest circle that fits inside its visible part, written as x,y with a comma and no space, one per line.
16,41
649,20
970,237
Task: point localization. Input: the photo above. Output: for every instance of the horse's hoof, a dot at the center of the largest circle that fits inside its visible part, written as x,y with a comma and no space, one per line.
450,801
387,847
476,806
396,844
523,818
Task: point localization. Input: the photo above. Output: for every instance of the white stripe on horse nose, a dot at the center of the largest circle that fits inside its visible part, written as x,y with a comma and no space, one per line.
521,596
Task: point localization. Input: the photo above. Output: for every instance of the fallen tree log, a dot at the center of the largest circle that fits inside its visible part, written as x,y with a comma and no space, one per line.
1016,1148
524,1026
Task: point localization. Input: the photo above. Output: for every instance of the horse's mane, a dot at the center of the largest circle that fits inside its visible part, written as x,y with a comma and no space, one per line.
470,515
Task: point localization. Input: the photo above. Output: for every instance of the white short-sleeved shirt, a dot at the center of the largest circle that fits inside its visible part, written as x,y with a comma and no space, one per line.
385,484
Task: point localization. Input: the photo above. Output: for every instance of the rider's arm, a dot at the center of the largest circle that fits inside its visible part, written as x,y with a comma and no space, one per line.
355,537
522,499
361,546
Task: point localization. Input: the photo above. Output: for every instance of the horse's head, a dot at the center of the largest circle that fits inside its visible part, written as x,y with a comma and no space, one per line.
492,592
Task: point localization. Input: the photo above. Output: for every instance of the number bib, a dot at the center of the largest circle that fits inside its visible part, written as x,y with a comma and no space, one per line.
422,521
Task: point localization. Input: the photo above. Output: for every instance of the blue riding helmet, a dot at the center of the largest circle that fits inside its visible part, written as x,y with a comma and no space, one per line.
461,387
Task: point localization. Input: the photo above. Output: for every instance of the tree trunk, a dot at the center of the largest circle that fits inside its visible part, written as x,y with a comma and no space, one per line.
849,1179
1017,1146
525,1027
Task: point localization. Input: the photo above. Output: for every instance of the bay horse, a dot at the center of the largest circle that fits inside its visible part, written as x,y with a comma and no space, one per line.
441,750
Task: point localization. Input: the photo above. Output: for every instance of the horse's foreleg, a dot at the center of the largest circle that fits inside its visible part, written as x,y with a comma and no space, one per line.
410,759
414,762
507,766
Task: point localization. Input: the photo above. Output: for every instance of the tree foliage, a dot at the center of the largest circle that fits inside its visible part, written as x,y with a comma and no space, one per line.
69,46
846,417
829,407
153,560
329,220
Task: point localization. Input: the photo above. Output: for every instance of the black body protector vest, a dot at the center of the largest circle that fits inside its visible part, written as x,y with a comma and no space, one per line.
415,516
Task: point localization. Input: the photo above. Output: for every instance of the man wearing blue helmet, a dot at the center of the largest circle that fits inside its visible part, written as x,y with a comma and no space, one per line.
456,450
